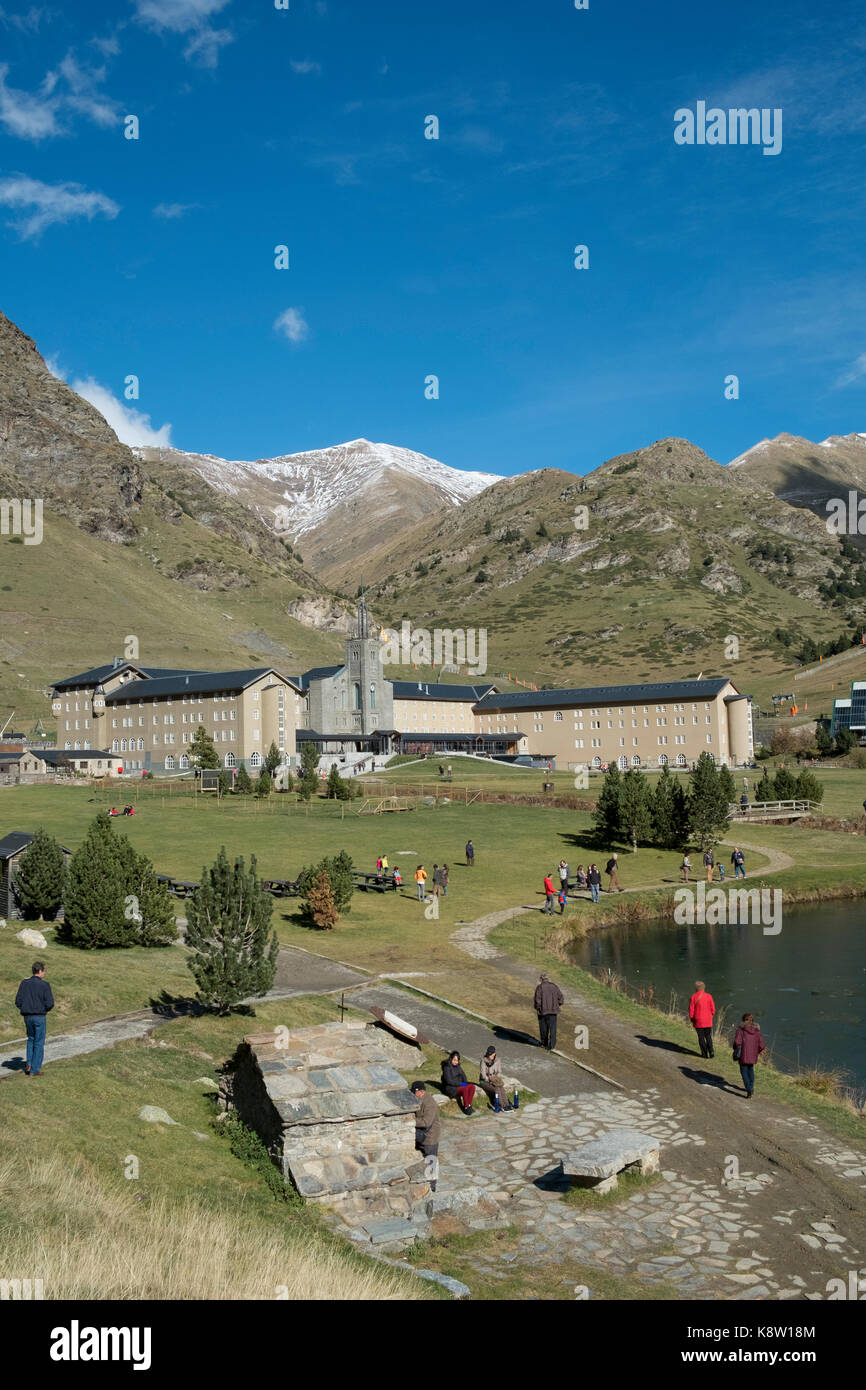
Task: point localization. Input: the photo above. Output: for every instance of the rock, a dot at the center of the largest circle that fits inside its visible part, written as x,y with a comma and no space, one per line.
31,938
154,1115
454,1286
208,1082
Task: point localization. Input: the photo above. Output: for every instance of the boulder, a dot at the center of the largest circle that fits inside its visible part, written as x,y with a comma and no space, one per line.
155,1115
31,938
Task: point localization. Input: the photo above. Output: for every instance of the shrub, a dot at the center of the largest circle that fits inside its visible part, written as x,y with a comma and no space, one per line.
41,878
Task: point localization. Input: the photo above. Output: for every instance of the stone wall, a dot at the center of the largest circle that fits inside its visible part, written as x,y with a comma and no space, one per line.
336,1116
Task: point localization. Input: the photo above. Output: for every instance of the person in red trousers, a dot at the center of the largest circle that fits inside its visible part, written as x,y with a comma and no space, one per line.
701,1010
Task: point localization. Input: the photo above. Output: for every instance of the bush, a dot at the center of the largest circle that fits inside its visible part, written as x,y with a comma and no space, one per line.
41,878
228,925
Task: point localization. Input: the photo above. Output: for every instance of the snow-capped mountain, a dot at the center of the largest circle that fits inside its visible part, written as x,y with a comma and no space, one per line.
806,474
340,500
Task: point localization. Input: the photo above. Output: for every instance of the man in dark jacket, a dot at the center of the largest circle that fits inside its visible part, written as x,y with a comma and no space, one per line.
33,1001
593,878
611,869
548,1001
427,1129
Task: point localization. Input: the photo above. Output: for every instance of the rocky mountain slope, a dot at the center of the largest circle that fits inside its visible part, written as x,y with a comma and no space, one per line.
332,504
806,474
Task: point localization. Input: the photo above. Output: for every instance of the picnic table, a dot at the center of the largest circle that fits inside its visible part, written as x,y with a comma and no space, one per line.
381,882
281,887
183,887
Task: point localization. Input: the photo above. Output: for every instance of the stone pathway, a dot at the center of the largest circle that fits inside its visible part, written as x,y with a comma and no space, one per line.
703,1237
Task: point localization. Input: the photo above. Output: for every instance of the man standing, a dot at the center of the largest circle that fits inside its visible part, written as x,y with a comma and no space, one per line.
33,1001
548,1001
427,1128
563,876
593,878
548,895
738,859
437,881
709,864
701,1010
470,855
610,869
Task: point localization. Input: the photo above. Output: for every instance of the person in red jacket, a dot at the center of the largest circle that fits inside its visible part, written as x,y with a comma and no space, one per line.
748,1046
549,895
701,1010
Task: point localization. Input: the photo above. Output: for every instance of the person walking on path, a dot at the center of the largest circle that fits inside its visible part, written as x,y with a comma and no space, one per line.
437,881
610,869
427,1130
470,855
686,865
548,1001
738,859
549,894
563,875
34,1001
701,1011
594,881
420,880
455,1085
491,1080
445,880
709,864
748,1046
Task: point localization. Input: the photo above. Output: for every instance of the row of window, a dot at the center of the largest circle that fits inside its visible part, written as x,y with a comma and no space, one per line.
622,761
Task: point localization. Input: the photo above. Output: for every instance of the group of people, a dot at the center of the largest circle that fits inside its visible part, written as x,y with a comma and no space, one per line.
441,874
585,878
738,862
748,1042
457,1086
127,811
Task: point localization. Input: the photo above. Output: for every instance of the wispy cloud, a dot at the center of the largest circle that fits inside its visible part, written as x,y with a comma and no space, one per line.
292,324
82,93
50,204
25,21
305,65
855,372
131,426
190,17
29,115
171,211
70,87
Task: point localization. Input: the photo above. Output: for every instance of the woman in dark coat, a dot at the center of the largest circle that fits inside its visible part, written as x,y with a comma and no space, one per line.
455,1085
748,1046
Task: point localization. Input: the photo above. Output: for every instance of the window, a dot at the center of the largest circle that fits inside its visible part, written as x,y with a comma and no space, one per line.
635,761
373,696
578,743
141,745
663,759
255,759
622,762
123,745
169,763
596,762
681,759
558,715
115,747
356,695
230,759
184,761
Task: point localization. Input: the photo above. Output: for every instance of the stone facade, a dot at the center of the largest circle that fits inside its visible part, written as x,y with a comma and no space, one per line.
337,1117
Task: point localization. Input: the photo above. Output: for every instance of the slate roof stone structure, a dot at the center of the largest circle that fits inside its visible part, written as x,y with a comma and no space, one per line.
337,1117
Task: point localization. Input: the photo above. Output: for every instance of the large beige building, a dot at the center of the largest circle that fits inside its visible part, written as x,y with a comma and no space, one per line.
631,725
149,715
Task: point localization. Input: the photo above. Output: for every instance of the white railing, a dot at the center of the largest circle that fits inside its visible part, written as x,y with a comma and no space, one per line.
796,806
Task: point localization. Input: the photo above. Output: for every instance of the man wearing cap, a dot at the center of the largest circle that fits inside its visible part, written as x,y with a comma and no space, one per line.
548,1001
491,1081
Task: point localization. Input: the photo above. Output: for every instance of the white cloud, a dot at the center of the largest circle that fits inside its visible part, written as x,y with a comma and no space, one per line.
82,94
854,372
292,324
51,203
305,65
188,17
171,211
28,115
131,426
27,21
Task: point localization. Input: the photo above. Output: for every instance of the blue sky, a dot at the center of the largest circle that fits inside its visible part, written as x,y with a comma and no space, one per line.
452,257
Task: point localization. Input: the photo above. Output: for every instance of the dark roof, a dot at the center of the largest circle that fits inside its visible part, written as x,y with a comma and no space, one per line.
433,690
16,840
189,683
437,736
101,673
608,695
56,755
316,673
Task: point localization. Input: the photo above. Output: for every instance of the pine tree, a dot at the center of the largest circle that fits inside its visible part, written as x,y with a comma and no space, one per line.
309,777
635,813
225,781
680,817
663,810
234,954
339,869
808,787
337,786
151,909
95,901
40,879
727,783
202,752
273,758
263,783
765,790
708,804
320,903
607,811
785,784
823,740
243,781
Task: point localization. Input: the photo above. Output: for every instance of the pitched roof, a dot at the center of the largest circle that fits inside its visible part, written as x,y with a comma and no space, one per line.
316,673
56,755
98,674
190,683
607,695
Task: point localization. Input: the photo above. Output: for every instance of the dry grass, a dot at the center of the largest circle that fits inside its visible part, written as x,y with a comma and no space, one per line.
87,1238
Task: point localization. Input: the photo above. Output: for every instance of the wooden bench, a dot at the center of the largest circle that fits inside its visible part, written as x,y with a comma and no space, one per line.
598,1163
383,883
